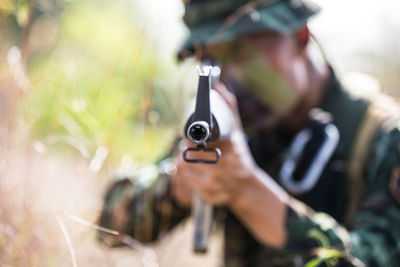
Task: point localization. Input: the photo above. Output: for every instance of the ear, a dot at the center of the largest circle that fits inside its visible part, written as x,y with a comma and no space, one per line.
303,37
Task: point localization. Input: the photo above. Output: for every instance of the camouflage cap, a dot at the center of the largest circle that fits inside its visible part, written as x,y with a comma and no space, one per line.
213,21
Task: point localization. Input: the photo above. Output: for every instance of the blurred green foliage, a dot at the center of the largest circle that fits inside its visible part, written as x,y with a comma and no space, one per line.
100,83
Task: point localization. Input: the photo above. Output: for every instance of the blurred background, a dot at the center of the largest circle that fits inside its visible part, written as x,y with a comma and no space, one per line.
92,87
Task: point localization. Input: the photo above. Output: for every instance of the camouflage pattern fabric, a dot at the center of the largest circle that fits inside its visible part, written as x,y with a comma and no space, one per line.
140,206
317,233
211,21
374,238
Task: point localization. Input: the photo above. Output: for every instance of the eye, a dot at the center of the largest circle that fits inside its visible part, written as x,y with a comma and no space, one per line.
246,52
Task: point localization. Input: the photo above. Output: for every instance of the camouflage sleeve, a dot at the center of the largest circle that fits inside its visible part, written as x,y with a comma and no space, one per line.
376,235
140,206
315,237
374,239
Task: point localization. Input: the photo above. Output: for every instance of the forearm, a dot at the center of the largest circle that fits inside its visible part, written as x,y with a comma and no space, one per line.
141,207
284,223
261,206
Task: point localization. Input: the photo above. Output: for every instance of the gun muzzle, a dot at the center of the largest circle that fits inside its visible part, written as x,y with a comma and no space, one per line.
198,132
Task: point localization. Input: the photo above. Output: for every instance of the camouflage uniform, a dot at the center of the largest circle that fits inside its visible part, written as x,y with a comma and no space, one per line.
353,217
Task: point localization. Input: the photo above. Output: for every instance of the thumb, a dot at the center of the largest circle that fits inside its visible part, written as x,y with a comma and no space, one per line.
231,100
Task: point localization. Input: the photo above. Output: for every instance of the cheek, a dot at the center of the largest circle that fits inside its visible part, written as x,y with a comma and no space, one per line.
292,66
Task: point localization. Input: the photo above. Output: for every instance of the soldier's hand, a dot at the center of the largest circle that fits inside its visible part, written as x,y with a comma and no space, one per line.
218,183
237,182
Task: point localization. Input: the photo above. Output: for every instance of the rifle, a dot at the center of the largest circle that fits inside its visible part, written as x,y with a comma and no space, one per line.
211,120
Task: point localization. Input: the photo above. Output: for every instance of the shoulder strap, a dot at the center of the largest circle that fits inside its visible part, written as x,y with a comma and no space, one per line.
380,113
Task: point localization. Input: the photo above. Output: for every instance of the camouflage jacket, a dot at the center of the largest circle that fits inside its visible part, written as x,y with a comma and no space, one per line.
350,221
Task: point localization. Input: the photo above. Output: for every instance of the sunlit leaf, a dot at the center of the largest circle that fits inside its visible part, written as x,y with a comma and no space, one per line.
22,14
7,6
314,262
319,236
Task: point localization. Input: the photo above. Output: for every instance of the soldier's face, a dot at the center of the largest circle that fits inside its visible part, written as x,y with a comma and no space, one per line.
267,73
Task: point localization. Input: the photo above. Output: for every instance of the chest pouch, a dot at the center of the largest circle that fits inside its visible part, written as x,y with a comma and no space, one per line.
309,153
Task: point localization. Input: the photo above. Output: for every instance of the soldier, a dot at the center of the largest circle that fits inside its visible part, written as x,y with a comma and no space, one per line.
311,173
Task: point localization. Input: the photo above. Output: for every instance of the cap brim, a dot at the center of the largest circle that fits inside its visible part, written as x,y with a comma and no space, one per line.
280,17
